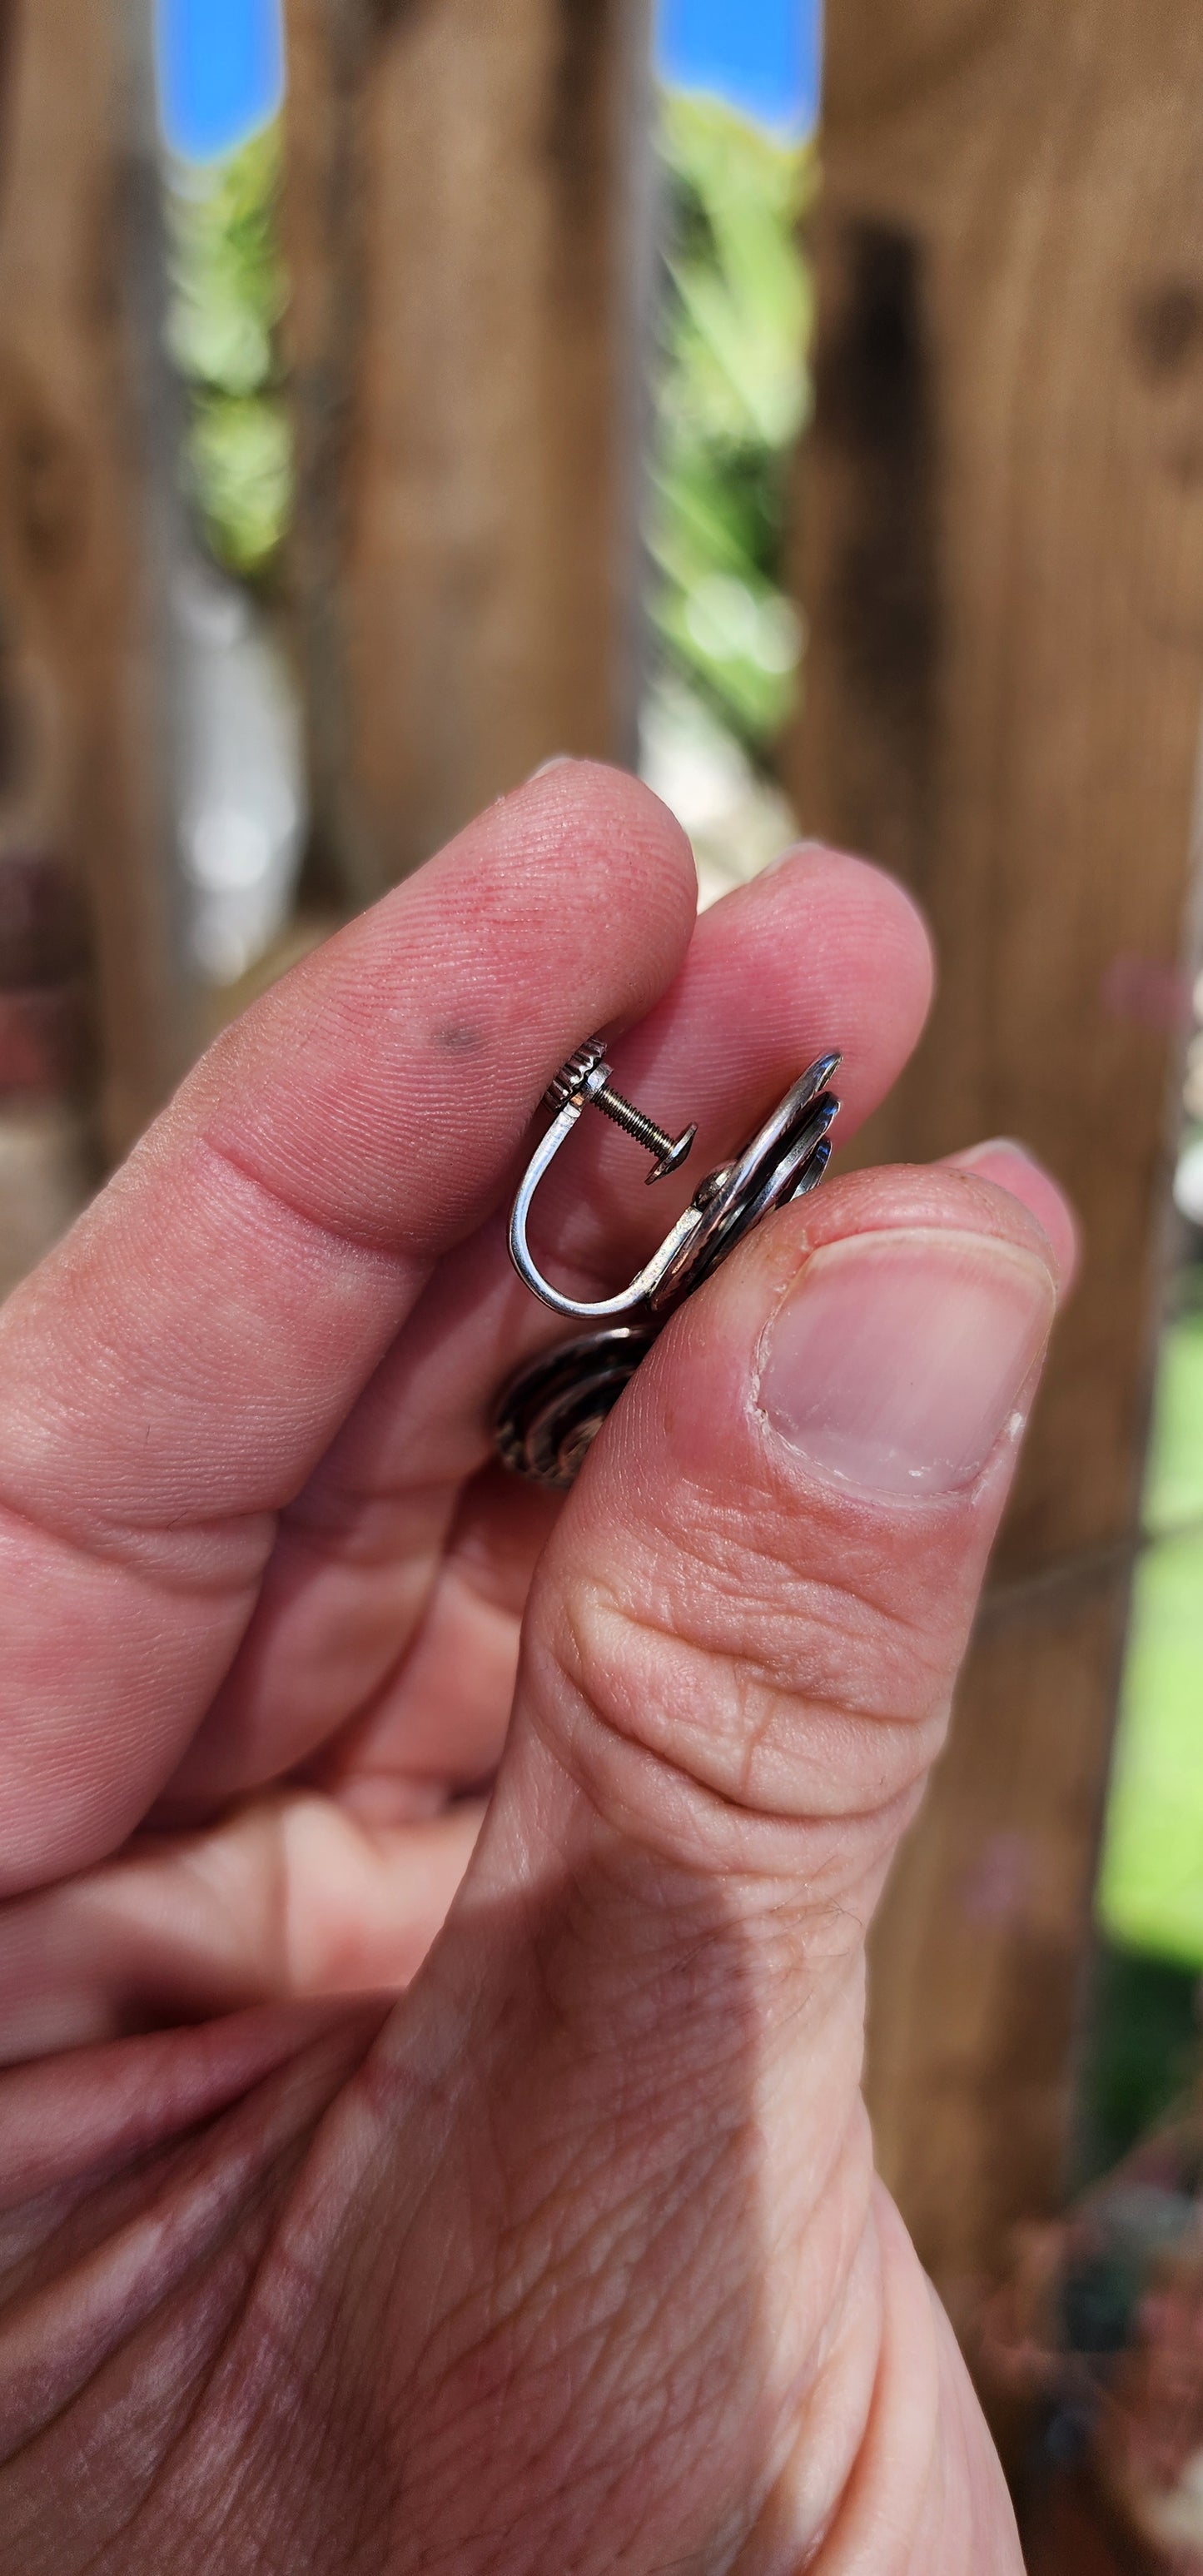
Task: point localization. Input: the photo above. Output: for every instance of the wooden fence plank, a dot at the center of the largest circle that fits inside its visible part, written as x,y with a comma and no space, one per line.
86,469
1002,564
465,240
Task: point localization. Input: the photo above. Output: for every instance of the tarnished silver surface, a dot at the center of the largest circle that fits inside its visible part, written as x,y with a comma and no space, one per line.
552,1410
555,1407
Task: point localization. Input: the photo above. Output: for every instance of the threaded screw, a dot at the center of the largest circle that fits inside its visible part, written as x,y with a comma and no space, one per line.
587,1074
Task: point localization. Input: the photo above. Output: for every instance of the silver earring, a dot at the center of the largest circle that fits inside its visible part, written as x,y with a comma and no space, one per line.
548,1415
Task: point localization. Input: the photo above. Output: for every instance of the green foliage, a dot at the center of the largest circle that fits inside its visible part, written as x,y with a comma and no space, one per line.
733,389
227,300
1151,1881
733,397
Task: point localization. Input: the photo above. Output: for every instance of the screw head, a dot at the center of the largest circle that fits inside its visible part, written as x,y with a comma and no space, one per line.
672,1161
573,1076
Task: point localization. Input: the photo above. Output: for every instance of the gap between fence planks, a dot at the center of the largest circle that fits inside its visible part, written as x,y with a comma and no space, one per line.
87,472
1002,564
467,238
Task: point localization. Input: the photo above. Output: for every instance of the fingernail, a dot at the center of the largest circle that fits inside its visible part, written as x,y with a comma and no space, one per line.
795,850
992,1145
558,760
898,1360
1012,1166
996,1149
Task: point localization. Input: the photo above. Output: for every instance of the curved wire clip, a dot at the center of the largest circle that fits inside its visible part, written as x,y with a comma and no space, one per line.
785,1158
593,1089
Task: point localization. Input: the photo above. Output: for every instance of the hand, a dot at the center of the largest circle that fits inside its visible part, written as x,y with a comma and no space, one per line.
572,2258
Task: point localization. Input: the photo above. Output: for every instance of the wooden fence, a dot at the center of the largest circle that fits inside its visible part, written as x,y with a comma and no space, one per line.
1000,555
1002,558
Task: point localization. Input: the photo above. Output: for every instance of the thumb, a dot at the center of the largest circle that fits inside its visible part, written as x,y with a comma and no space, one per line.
742,1640
739,1655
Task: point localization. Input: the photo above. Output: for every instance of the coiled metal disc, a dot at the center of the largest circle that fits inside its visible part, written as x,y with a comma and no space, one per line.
784,1159
548,1415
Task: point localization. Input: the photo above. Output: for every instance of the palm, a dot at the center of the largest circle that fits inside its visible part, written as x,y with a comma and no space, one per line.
300,1809
265,1597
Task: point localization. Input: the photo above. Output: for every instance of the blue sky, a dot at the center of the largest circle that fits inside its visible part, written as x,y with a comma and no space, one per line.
220,71
762,55
221,62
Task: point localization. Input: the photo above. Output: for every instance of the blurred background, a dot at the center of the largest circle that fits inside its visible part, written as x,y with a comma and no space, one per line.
810,415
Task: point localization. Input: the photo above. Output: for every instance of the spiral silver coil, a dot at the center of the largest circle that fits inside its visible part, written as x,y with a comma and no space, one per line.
553,1410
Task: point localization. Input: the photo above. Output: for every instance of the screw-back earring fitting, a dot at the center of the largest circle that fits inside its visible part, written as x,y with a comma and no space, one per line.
548,1415
585,1082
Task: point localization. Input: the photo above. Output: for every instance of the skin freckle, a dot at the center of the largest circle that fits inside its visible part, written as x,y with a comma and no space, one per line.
458,1037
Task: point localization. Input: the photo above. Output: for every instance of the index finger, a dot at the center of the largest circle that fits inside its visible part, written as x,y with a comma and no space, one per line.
171,1375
